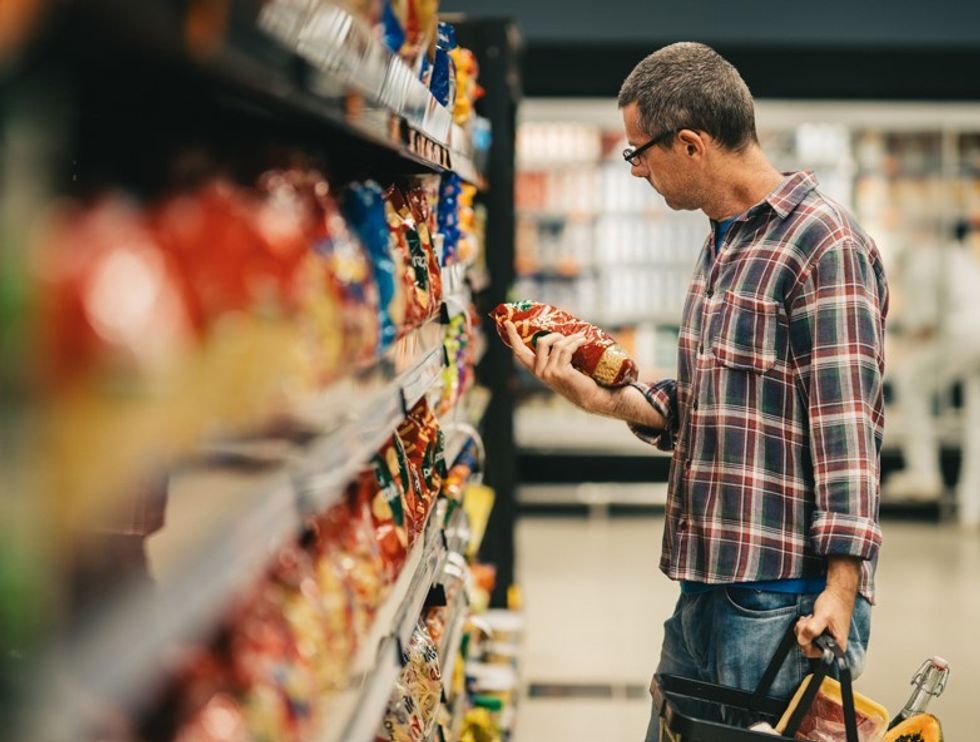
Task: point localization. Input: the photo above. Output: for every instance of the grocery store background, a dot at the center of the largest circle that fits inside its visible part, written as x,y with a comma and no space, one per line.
210,328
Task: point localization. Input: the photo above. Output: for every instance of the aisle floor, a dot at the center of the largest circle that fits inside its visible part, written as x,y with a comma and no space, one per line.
595,603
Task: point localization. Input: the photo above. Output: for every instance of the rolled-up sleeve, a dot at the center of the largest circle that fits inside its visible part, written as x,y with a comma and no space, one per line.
662,396
837,336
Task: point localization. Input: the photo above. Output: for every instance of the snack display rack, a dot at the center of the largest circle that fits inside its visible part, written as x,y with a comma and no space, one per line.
234,500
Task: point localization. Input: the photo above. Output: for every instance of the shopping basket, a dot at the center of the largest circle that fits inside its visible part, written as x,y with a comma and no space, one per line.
677,724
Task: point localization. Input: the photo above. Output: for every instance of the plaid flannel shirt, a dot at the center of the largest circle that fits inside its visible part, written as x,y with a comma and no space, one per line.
776,416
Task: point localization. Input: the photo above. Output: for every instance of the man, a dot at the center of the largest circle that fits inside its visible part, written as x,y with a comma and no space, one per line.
775,418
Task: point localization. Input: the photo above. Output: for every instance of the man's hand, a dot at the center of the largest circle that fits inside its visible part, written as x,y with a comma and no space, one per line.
833,608
551,362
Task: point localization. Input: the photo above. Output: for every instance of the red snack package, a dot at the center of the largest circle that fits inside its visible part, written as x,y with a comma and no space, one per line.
238,253
601,358
413,244
364,563
110,298
387,500
425,449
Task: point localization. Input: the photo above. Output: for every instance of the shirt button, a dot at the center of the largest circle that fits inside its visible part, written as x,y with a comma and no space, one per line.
682,525
687,463
709,293
695,405
701,349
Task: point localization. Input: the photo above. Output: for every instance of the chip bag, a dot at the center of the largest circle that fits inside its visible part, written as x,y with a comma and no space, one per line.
601,358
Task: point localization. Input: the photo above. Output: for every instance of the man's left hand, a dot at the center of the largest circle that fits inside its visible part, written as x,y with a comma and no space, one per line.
833,608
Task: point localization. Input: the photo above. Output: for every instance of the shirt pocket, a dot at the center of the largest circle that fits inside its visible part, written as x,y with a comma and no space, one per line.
746,338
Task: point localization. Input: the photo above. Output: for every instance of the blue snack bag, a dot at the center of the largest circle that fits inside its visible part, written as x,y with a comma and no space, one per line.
363,207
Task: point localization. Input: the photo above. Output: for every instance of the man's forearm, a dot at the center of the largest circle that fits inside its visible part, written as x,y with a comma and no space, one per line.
627,403
843,576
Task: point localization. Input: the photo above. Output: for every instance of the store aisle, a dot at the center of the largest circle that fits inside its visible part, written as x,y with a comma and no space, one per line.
595,602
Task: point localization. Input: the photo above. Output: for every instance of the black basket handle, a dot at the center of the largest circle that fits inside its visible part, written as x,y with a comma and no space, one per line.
832,653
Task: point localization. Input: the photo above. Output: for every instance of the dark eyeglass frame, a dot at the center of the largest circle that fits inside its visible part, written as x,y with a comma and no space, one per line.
630,154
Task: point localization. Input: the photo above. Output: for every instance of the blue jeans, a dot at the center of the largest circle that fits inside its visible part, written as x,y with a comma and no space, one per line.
728,636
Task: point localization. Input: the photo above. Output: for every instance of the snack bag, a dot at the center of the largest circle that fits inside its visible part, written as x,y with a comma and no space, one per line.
388,511
267,664
425,448
824,722
364,208
443,81
423,676
349,273
435,622
601,357
364,563
336,598
447,215
402,722
420,211
408,221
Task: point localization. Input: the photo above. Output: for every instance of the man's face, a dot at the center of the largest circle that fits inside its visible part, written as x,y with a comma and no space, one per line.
668,170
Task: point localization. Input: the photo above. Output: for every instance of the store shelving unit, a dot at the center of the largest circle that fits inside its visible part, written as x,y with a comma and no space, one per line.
319,71
356,713
223,526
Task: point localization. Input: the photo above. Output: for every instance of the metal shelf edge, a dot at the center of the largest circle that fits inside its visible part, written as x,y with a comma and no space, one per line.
147,621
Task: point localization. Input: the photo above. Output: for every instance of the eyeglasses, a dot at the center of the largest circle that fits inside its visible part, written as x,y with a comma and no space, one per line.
632,154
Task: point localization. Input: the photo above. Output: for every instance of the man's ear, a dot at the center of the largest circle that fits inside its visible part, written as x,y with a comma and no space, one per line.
693,141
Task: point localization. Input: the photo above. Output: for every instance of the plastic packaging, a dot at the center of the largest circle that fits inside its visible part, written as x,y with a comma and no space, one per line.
443,81
422,674
447,216
388,509
600,358
407,217
425,450
402,722
364,208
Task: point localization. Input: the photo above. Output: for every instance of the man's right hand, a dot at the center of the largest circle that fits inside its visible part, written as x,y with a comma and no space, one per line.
551,362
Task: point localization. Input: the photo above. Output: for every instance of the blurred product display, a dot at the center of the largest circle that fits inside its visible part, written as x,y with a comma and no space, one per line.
244,413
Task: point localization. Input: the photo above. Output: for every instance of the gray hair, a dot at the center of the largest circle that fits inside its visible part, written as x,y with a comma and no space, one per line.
691,86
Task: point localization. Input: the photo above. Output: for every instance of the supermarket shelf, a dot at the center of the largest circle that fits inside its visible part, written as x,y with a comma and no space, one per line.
224,525
223,528
595,494
304,58
454,445
372,698
356,713
449,648
474,406
332,460
454,279
456,293
458,532
464,167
